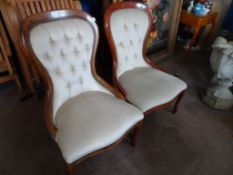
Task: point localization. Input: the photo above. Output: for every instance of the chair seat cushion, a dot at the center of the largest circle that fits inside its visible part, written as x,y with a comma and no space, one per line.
91,121
148,87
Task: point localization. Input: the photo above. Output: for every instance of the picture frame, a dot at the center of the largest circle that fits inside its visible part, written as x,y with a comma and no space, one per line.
167,38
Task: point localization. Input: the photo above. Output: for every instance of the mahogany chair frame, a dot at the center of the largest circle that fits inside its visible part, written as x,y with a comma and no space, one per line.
107,17
14,13
28,52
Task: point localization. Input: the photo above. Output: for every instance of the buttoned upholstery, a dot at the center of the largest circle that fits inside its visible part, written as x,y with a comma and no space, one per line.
92,120
87,116
128,29
127,25
64,47
147,87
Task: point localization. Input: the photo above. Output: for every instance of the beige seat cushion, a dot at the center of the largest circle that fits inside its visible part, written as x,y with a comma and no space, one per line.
91,121
147,87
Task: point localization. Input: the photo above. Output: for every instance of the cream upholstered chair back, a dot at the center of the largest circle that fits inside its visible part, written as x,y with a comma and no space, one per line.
128,28
14,12
65,48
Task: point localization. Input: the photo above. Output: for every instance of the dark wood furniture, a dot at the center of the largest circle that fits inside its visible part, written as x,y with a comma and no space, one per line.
107,17
198,22
29,54
6,66
14,12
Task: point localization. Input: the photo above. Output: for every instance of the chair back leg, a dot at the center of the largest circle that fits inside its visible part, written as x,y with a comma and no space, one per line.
135,133
71,169
178,99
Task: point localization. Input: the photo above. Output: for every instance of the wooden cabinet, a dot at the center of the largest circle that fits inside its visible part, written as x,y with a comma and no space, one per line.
198,22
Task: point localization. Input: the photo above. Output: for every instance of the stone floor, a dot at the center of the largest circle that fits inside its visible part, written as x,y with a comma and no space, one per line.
197,140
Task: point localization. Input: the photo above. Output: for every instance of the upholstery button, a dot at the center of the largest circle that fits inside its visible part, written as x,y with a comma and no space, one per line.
52,41
57,71
66,38
131,42
87,48
135,56
76,51
62,53
80,37
135,26
80,81
68,85
126,27
47,56
122,44
72,68
84,65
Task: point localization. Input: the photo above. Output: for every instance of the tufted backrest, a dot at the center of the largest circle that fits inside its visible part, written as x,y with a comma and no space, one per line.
65,48
14,12
128,24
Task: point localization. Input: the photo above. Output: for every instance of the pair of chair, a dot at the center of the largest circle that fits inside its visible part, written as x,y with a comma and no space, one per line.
84,114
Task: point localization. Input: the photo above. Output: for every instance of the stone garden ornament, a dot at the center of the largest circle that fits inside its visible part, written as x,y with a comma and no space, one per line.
220,94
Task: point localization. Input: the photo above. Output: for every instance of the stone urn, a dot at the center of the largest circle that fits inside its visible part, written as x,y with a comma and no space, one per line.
220,93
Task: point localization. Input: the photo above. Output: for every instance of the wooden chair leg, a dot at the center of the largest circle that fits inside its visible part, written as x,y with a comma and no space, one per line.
175,109
135,134
71,169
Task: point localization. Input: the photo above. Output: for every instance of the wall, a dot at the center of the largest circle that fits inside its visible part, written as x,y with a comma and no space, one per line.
228,21
220,6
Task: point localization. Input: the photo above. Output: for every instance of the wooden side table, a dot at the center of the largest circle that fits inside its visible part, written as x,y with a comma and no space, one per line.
198,22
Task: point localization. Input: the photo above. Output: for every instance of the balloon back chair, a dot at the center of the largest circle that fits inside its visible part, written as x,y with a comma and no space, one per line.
144,84
84,114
